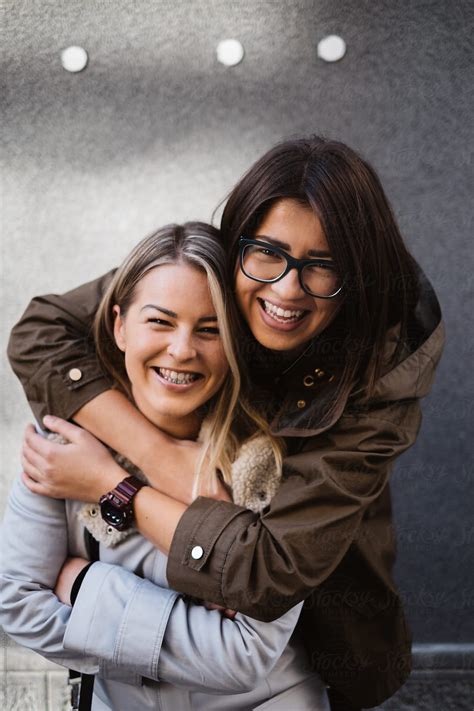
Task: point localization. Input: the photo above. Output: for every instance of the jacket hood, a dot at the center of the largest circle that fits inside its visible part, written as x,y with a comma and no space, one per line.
312,386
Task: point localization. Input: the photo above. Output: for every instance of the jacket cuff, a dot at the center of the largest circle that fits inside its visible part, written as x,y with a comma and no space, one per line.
55,392
123,618
201,544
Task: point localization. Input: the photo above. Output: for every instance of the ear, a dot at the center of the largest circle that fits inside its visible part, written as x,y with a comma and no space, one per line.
119,328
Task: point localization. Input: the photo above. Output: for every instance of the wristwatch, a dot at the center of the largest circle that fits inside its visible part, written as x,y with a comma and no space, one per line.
116,506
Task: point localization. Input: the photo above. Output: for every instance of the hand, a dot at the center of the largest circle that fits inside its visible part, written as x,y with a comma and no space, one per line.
67,575
225,611
83,469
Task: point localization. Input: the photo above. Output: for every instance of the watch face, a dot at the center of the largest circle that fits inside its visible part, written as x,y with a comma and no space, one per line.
117,518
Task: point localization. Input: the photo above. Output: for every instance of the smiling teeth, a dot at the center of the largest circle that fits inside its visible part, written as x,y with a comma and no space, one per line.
172,376
283,315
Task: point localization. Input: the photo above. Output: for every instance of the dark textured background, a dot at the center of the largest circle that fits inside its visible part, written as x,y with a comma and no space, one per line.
156,130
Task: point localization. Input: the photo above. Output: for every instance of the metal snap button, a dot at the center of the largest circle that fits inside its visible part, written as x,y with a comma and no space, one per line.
300,404
308,380
197,552
75,374
319,373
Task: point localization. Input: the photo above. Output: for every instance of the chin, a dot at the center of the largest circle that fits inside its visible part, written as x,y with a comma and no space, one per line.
163,408
280,342
174,410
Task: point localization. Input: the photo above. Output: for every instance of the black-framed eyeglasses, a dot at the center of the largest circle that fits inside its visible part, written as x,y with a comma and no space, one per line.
263,262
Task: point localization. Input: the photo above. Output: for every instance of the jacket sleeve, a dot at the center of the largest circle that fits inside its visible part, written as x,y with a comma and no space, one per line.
121,626
33,549
263,565
134,625
51,350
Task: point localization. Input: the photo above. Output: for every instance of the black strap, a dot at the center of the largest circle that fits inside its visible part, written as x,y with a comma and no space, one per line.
82,685
87,689
82,689
76,586
92,546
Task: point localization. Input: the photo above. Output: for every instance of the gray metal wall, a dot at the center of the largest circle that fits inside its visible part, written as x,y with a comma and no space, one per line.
156,130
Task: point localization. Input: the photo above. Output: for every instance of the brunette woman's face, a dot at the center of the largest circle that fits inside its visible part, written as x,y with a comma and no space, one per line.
296,229
174,355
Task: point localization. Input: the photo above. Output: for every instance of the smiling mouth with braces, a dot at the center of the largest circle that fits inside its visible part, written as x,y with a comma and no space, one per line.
177,377
282,315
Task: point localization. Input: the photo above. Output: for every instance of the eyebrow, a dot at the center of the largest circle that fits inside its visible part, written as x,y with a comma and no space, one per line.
173,314
285,246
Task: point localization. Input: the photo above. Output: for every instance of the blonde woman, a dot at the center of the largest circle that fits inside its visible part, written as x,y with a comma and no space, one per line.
164,335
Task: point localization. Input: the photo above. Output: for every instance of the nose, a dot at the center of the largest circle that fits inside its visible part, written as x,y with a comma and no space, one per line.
289,288
181,346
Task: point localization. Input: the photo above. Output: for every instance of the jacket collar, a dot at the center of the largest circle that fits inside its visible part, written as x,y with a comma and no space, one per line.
311,385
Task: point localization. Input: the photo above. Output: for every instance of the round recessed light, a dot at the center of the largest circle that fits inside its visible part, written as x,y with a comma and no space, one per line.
230,52
332,48
74,59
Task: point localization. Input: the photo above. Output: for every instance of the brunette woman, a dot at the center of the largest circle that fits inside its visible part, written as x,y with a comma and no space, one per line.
344,334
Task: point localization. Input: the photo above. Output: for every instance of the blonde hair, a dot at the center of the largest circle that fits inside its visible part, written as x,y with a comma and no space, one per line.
231,418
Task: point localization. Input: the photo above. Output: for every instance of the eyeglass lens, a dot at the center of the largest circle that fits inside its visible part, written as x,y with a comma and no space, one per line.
264,264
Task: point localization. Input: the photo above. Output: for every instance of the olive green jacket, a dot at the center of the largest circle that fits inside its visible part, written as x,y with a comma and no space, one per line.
327,536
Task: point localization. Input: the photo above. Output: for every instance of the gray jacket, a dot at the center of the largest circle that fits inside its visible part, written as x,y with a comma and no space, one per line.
150,647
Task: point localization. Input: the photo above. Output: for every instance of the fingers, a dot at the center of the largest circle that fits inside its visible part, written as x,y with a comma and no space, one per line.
62,427
225,611
43,488
213,606
39,444
37,457
32,485
30,470
32,457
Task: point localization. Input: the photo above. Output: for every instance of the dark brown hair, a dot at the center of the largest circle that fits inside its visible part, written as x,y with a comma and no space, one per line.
379,274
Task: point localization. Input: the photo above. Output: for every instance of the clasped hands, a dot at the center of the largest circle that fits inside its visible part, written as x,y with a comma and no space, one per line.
84,470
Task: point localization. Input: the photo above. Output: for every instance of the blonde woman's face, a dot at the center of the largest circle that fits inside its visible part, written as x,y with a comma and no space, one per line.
174,355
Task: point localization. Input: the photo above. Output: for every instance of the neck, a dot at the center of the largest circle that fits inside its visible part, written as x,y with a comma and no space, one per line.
177,427
186,427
